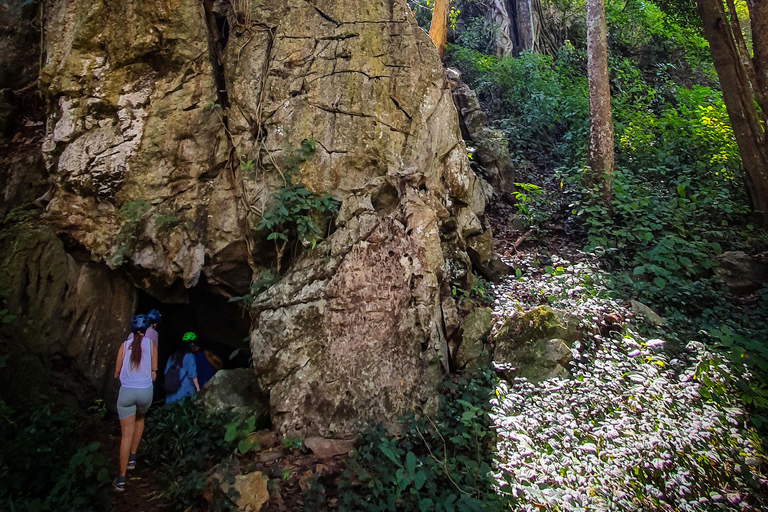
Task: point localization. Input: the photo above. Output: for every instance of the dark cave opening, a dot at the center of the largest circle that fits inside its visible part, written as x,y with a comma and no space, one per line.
222,327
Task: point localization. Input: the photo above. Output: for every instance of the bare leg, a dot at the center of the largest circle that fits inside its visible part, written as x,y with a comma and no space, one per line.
127,427
137,432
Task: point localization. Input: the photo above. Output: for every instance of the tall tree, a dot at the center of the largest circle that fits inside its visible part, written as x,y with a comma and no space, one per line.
601,157
498,17
744,81
438,30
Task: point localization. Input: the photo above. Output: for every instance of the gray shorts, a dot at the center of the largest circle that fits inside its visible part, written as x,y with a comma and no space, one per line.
130,400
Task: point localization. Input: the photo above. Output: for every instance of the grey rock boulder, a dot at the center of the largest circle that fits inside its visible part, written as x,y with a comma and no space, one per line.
742,273
537,344
235,390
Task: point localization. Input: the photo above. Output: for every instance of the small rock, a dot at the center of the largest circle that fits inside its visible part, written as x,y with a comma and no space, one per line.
641,309
266,439
271,456
537,343
252,490
326,448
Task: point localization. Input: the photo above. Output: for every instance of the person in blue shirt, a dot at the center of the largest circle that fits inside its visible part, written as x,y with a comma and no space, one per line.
185,360
208,363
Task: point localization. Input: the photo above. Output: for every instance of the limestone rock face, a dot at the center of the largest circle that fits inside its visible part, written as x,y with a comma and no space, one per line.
168,131
354,332
131,125
19,56
491,150
474,352
63,307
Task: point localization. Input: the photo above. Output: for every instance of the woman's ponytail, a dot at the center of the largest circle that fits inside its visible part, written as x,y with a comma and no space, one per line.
136,349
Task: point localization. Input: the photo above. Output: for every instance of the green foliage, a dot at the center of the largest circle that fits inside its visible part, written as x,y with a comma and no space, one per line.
293,443
182,435
529,200
262,282
166,222
747,372
19,215
477,35
45,466
539,102
182,439
436,464
132,217
479,290
296,213
242,430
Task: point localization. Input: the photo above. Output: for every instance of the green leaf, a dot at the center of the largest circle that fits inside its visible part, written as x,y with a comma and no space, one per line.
426,505
639,270
231,432
389,453
658,281
419,479
410,463
244,445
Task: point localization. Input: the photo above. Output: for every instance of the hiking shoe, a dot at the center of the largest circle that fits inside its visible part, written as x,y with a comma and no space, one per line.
119,483
132,461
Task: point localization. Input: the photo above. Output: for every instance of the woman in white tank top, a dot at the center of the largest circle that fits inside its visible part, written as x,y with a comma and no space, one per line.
137,368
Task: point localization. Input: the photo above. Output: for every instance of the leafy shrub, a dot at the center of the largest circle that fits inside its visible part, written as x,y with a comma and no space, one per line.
185,442
539,102
183,435
295,212
45,466
440,464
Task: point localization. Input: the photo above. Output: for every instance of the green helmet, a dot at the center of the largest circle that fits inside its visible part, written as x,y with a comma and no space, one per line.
190,336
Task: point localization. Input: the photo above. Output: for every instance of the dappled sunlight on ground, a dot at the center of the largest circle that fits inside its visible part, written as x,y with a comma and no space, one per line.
629,429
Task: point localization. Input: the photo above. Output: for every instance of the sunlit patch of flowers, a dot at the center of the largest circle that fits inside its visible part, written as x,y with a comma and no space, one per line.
629,430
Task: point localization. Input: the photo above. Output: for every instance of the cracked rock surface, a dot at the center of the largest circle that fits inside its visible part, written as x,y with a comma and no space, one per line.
154,105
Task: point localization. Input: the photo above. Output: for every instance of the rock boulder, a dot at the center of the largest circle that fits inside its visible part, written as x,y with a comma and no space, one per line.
235,390
742,273
537,343
167,137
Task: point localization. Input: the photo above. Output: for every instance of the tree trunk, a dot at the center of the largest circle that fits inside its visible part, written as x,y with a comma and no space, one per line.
601,158
744,56
438,30
499,19
758,17
737,93
525,25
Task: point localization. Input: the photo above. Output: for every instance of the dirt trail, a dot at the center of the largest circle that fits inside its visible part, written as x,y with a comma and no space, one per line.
142,489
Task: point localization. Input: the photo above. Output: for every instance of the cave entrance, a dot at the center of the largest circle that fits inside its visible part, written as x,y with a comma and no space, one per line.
221,326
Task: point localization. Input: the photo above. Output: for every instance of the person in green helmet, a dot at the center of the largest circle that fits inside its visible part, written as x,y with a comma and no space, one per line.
181,371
